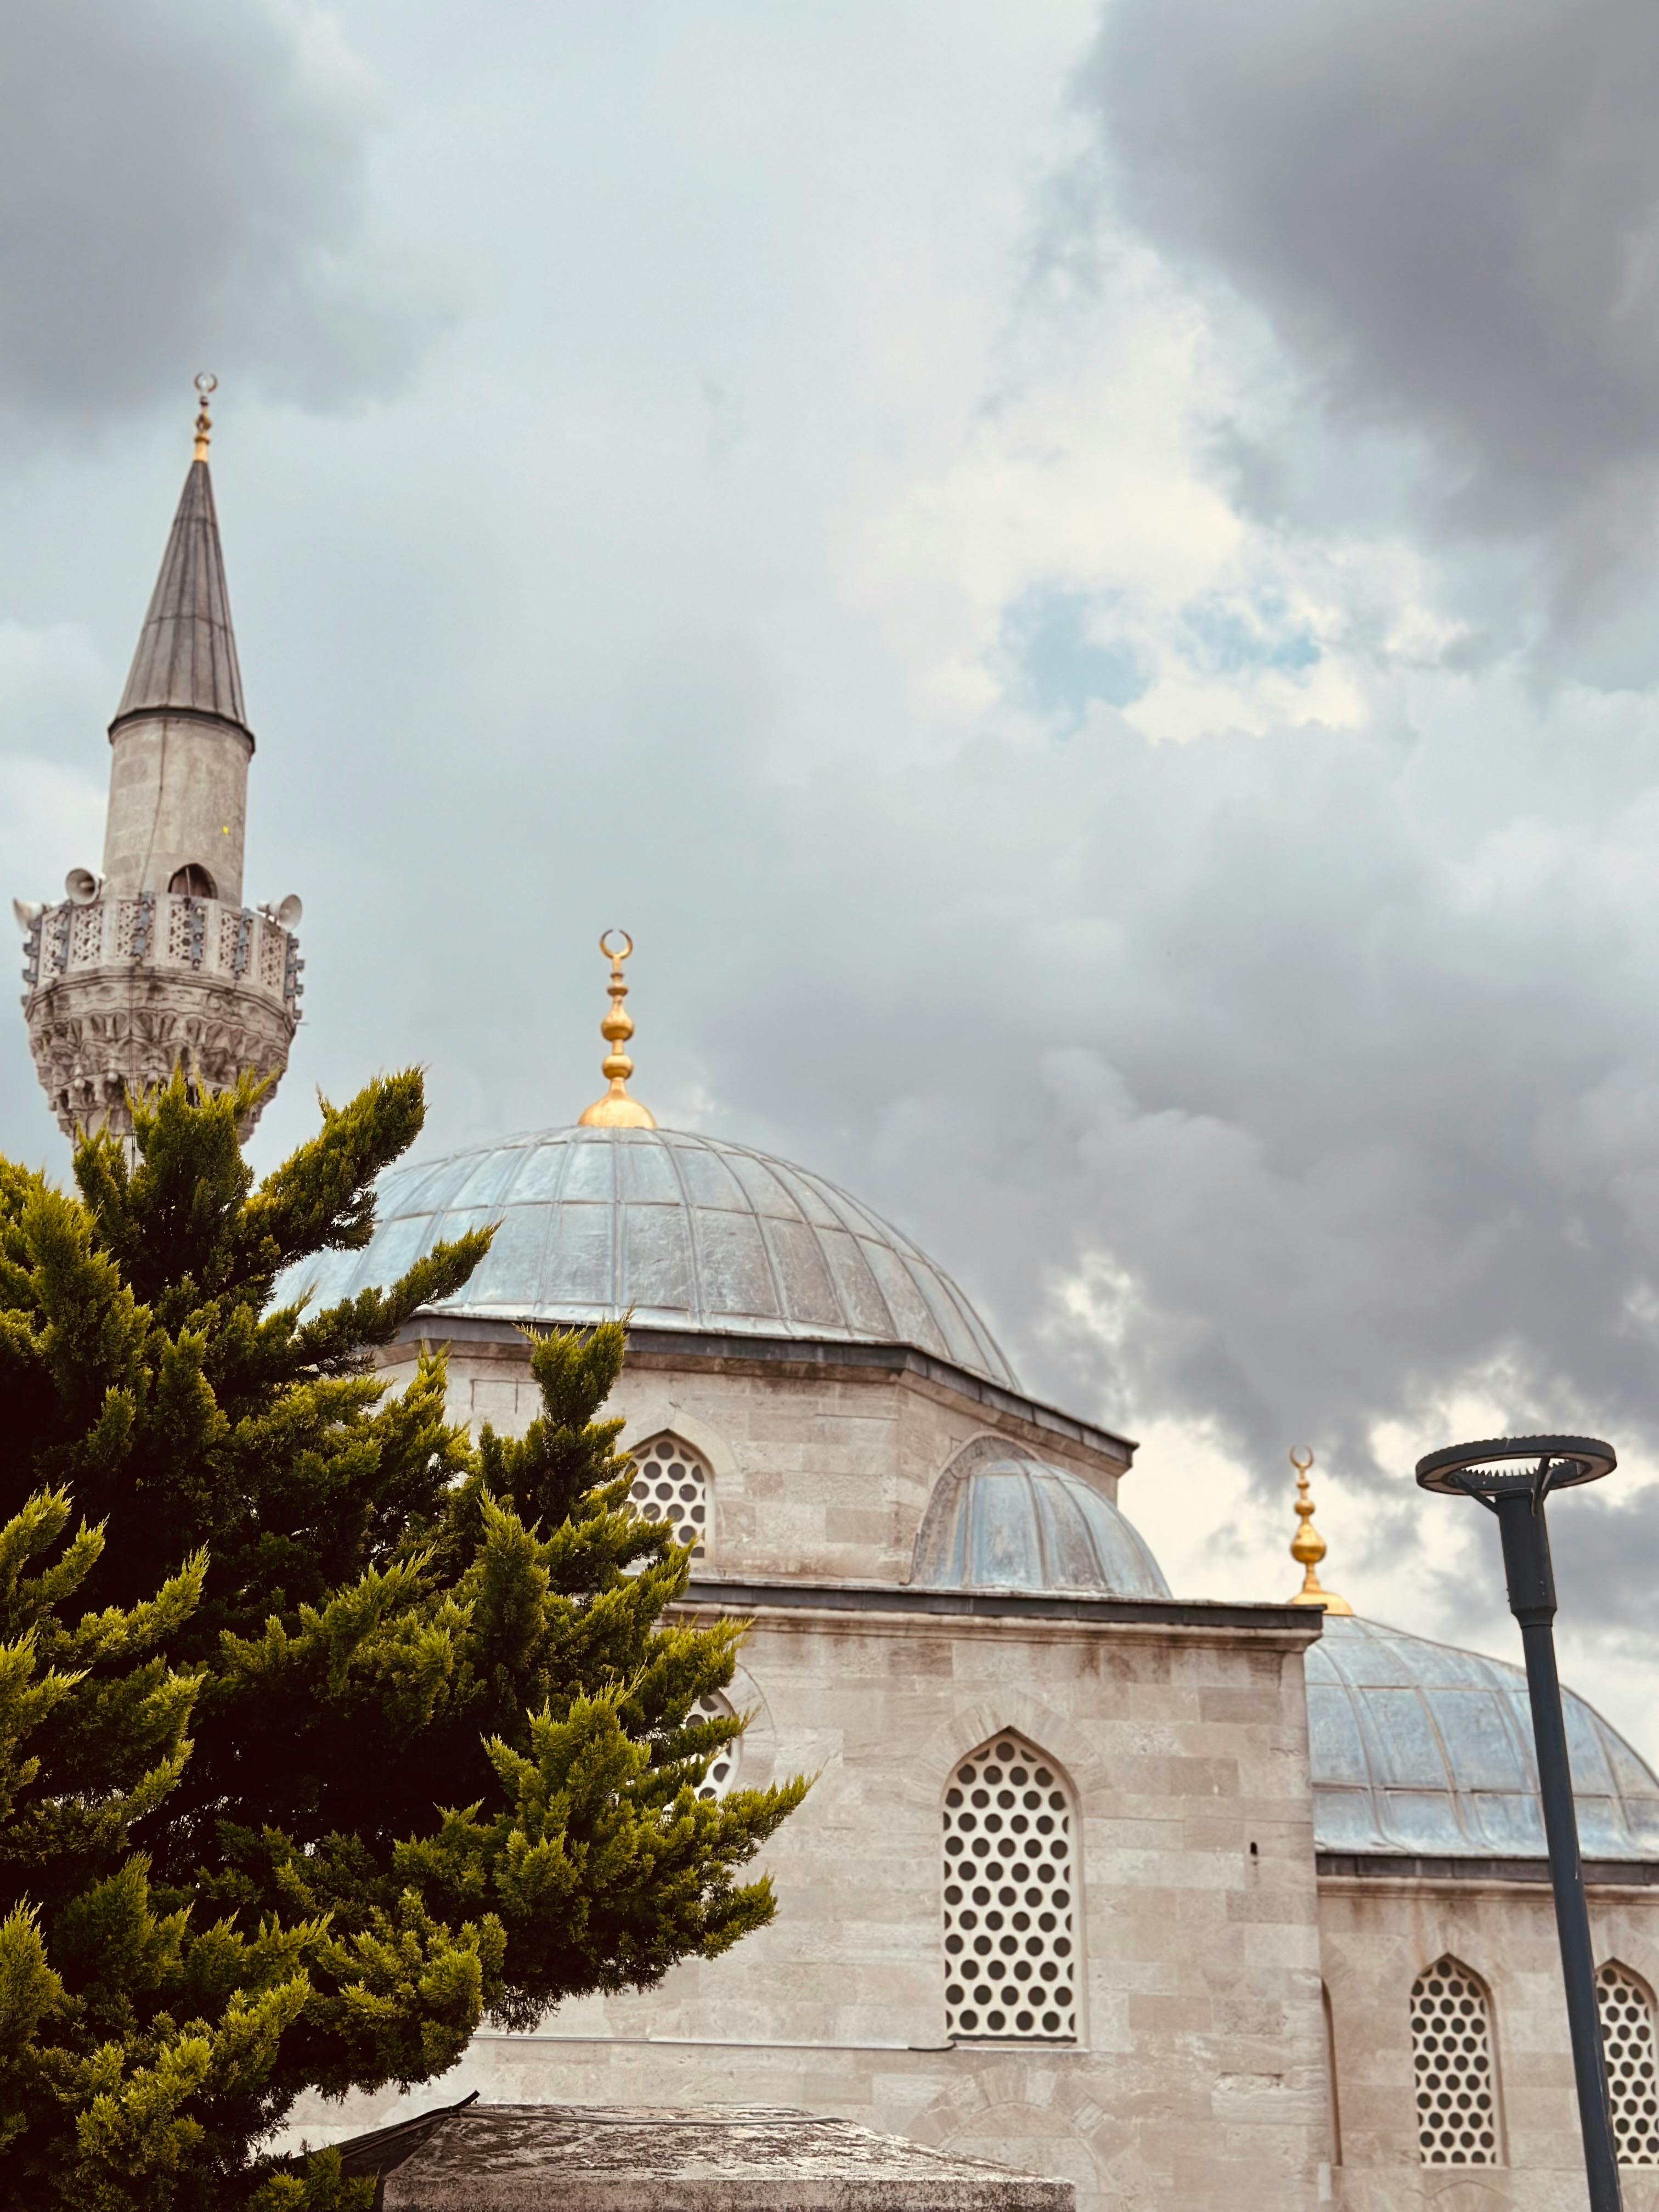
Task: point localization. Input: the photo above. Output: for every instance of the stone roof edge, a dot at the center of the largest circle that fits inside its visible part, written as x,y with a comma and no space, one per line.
183,715
807,1353
491,2157
759,1594
1380,1868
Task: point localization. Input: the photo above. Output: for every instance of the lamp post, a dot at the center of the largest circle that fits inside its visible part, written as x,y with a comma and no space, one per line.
1511,1476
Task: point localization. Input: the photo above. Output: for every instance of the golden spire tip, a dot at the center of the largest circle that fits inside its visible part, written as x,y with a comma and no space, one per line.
206,384
617,1110
1308,1546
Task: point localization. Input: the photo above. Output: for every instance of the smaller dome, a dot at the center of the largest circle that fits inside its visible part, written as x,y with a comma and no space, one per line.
1420,1747
999,1519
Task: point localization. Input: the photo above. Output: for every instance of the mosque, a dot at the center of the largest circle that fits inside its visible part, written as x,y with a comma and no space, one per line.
1231,1906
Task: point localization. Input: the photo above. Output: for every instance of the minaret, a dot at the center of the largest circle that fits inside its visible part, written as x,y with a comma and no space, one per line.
157,963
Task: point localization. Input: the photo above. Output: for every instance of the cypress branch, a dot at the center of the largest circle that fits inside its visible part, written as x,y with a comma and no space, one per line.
327,1731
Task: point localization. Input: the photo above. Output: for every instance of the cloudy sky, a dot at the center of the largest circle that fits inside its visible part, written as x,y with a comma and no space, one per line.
1085,583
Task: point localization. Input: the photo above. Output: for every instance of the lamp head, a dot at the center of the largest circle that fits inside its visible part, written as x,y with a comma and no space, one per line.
1502,1465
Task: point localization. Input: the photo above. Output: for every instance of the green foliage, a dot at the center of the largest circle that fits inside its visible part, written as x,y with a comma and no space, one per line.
325,1732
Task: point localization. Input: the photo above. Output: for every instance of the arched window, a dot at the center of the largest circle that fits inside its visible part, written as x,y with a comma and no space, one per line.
1627,2040
1010,1872
723,1768
1452,2059
1335,2132
671,1484
192,881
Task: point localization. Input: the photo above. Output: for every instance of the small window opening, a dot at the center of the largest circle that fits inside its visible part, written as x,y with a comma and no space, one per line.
1451,2057
1010,1959
671,1484
192,881
1627,2043
723,1768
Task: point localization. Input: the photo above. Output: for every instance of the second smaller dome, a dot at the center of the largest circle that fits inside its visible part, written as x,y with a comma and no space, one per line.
1000,1519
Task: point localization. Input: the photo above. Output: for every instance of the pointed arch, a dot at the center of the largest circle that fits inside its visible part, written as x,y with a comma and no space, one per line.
1012,1873
1625,2003
1454,2065
672,1483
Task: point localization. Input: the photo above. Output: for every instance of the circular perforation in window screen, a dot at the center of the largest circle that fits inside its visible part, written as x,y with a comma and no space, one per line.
1627,2040
671,1484
1010,1954
723,1768
1451,2055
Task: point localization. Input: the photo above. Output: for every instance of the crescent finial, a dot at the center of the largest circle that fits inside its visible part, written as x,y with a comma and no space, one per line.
617,1110
1308,1546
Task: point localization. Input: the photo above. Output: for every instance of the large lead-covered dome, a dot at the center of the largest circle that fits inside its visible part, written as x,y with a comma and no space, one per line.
1419,1747
691,1233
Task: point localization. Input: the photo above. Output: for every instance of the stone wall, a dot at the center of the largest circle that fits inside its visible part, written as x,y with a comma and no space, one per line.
1201,2075
1376,1936
1198,2080
820,1471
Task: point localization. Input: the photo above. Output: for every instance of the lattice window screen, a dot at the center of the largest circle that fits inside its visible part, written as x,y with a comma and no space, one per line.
723,1768
1627,2040
1451,2055
273,949
86,936
1011,1964
671,1484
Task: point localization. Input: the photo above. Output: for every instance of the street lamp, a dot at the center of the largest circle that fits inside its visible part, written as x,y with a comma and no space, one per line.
1511,1476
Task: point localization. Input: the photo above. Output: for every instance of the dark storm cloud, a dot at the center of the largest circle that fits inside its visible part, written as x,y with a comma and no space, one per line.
1451,215
1289,1083
1324,1088
181,183
1280,1084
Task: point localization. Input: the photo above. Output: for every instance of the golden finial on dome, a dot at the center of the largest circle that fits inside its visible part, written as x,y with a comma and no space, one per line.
1308,1546
617,1110
206,384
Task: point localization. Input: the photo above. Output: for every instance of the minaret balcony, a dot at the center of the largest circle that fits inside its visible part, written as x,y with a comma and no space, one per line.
240,946
123,991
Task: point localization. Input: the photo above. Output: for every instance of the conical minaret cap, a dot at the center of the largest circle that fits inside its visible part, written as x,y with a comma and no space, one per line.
186,663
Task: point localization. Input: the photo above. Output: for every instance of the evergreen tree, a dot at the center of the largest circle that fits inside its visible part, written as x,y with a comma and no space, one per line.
325,1732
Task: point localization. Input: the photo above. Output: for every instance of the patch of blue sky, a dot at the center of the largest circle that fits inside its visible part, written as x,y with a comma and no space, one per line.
1233,637
1070,650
